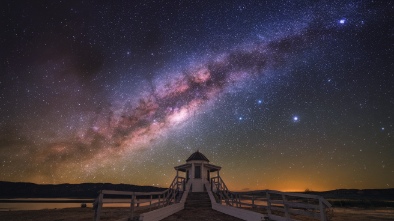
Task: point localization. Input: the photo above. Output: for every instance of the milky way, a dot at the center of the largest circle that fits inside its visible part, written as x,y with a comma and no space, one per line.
171,101
168,104
92,93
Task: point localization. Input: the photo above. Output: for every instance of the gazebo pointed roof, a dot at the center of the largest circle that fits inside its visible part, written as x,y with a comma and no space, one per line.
197,156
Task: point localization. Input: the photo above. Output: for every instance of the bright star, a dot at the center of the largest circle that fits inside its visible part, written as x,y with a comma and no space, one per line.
295,118
259,101
342,21
240,118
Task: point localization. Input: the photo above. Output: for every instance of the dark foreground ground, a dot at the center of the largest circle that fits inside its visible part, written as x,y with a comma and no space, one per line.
86,214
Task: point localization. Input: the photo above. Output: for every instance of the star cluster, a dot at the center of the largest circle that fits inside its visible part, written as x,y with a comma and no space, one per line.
283,95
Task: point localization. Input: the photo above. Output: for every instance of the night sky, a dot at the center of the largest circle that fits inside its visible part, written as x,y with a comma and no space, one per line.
284,95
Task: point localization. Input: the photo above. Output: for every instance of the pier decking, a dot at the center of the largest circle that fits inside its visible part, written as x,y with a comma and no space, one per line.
199,214
198,207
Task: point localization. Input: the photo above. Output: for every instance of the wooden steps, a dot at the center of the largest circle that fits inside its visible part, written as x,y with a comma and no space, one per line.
198,207
198,200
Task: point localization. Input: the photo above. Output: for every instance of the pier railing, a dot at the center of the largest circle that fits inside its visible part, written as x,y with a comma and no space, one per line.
140,200
223,193
278,205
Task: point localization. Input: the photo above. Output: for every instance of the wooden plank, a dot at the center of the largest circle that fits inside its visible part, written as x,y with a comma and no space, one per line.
302,195
277,202
115,192
110,200
254,205
116,200
244,196
262,198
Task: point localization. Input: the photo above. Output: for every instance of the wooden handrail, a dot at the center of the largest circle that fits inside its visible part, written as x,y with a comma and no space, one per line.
164,197
288,203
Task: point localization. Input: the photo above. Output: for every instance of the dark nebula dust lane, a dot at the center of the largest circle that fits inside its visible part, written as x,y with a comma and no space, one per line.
175,100
301,92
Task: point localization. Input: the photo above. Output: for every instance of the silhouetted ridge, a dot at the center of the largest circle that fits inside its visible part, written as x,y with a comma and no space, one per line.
83,190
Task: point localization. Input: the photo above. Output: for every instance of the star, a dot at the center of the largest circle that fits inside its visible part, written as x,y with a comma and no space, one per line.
95,96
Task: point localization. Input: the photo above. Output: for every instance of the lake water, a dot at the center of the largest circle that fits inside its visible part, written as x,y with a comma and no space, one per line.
42,203
58,203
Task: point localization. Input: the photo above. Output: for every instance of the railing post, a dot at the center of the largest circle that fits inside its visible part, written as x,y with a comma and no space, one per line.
132,206
99,205
286,207
253,202
150,203
173,195
177,183
268,204
322,211
236,200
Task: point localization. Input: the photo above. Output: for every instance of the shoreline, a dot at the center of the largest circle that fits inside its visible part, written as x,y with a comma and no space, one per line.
45,200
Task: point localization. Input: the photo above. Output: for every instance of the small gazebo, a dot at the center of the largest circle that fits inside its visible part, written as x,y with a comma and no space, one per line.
198,170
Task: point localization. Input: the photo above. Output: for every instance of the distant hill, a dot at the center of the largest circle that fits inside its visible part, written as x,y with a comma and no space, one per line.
357,194
83,190
91,190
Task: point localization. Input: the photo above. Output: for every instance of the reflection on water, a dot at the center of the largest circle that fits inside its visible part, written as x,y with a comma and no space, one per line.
38,206
58,203
42,203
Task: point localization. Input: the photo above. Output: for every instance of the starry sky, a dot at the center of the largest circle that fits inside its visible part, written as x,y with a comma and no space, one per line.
284,95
